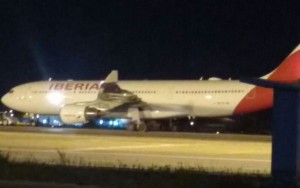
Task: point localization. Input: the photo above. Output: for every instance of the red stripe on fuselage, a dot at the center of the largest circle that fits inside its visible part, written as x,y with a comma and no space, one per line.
258,98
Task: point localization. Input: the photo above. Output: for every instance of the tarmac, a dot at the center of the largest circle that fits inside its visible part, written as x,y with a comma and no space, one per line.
94,147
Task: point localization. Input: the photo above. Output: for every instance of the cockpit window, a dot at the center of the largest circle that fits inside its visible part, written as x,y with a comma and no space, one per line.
11,91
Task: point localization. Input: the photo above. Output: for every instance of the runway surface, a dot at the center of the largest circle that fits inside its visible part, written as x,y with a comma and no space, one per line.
93,147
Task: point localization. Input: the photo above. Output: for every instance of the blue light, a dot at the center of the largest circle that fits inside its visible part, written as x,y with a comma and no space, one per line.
111,123
57,122
116,123
44,121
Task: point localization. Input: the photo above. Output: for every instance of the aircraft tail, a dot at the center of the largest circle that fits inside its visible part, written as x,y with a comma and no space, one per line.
260,98
289,70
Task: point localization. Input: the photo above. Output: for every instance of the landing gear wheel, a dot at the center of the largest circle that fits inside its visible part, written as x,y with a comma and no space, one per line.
142,127
131,127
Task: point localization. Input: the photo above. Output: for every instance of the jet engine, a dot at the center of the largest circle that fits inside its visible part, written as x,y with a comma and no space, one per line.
70,114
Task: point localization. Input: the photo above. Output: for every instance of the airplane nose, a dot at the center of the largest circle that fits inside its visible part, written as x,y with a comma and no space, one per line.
5,100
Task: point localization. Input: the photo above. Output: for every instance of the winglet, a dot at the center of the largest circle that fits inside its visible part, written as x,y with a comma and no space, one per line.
112,77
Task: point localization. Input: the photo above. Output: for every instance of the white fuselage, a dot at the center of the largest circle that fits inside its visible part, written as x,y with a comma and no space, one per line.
196,98
160,99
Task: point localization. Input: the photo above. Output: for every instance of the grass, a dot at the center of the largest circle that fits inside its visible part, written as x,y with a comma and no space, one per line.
123,176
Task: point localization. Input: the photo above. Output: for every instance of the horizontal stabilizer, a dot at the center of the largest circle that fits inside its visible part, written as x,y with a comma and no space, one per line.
271,84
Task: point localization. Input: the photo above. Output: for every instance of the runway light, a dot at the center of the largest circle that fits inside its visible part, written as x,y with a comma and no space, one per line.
217,132
192,123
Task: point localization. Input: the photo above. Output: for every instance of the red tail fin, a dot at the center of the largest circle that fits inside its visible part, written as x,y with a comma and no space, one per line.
288,70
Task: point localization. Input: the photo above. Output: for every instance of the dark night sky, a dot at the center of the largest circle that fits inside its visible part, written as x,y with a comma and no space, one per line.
154,39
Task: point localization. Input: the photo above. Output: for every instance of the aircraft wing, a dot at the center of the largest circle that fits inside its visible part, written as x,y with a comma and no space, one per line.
115,99
115,102
110,97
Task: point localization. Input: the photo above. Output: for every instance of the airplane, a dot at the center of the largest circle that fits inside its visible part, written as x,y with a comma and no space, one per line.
142,101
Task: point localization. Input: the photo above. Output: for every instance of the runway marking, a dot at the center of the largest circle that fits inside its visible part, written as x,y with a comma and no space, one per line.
95,148
129,147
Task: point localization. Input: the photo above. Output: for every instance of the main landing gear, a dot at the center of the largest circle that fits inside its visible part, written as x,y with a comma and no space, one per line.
136,123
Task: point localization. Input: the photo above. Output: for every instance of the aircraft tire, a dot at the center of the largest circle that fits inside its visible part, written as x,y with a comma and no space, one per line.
142,127
131,127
